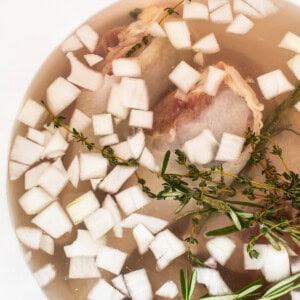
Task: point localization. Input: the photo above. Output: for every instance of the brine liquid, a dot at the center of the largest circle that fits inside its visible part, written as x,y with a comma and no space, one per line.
252,55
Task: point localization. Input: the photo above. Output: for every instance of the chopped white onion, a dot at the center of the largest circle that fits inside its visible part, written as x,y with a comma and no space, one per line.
199,59
108,140
207,45
273,84
214,4
60,94
122,150
29,236
111,259
83,76
294,65
297,106
211,263
31,113
178,34
99,223
92,59
132,199
240,25
119,283
168,290
231,147
82,207
45,275
255,263
290,41
88,37
154,224
47,244
79,121
141,119
204,141
103,124
221,248
194,10
92,165
156,30
16,170
34,200
295,295
264,7
56,146
60,166
53,180
134,93
129,67
36,136
103,290
295,265
95,183
84,245
50,130
213,81
25,152
241,7
143,238
184,76
138,285
83,267
115,105
72,43
212,279
53,220
222,15
73,171
166,247
136,143
147,160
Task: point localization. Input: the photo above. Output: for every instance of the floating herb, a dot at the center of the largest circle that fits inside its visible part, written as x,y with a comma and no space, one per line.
188,283
135,13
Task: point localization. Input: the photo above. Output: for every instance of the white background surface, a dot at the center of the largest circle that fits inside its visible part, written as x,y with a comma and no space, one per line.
29,31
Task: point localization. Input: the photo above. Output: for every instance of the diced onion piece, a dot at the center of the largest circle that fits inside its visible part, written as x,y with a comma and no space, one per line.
60,166
138,285
25,152
204,141
184,76
56,146
34,200
79,121
213,81
222,15
294,65
45,275
83,267
84,245
117,120
47,244
214,4
36,136
276,264
108,140
273,84
29,236
295,266
92,59
129,67
134,94
73,171
297,106
95,183
264,7
199,59
103,290
115,105
154,224
53,220
132,199
178,34
221,248
231,147
168,290
110,204
136,143
72,43
212,279
122,150
60,94
166,247
119,283
143,238
116,178
53,180
290,41
211,262
193,10
16,170
31,113
103,124
99,223
255,263
82,207
33,175
156,30
92,165
147,160
295,295
51,130
241,7
141,119
240,25
110,259
83,76
207,45
88,37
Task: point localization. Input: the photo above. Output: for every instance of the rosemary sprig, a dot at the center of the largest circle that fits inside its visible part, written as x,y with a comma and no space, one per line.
188,284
